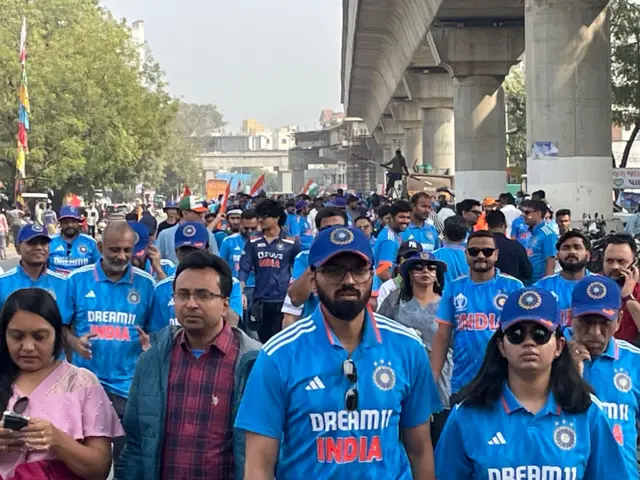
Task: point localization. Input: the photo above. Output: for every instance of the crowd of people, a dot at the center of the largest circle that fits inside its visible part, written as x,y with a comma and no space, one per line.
329,337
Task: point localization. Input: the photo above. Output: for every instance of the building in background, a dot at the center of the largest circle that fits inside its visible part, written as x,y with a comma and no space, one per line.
252,127
137,33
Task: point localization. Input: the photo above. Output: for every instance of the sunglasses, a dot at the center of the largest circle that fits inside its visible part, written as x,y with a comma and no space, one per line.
421,267
487,252
351,397
518,334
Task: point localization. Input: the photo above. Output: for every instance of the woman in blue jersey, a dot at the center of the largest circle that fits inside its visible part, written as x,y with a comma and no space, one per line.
527,414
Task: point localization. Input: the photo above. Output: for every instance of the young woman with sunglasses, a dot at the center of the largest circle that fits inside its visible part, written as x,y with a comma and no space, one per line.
69,420
528,414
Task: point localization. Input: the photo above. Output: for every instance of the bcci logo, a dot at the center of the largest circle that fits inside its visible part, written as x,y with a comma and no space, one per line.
83,249
189,231
383,376
529,300
133,297
136,237
564,437
622,381
498,301
37,228
596,290
280,246
341,236
460,302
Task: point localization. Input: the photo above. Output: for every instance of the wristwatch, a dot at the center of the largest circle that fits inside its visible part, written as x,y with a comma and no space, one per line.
627,298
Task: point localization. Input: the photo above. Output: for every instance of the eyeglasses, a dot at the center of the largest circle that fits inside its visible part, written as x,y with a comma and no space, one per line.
250,229
200,295
487,252
518,333
351,397
527,211
337,273
476,212
421,267
21,405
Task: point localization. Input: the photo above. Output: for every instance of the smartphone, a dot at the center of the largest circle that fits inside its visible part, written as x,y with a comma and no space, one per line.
14,421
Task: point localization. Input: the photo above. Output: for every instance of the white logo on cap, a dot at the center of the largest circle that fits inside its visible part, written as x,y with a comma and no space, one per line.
136,237
529,300
37,228
341,236
189,231
597,290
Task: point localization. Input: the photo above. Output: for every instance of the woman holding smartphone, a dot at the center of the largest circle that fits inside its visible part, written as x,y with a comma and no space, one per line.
528,414
61,421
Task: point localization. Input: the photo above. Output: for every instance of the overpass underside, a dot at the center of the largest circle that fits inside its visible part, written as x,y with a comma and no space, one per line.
427,76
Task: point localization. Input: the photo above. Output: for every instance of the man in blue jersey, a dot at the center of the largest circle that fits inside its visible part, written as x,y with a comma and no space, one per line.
542,244
609,365
33,247
520,231
271,255
291,225
469,310
71,249
420,229
386,248
453,248
190,237
573,256
147,257
111,303
344,393
306,234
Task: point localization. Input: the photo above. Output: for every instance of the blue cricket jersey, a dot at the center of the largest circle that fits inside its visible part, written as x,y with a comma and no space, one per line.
220,235
231,251
299,266
472,310
272,264
306,233
562,289
385,250
426,234
507,442
163,312
52,282
292,226
520,231
168,267
542,245
296,394
454,256
112,311
65,257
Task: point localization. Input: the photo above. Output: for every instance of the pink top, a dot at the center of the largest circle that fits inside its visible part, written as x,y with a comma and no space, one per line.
73,400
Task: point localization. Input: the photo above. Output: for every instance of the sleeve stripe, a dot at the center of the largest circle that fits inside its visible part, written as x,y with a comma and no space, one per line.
383,266
274,348
287,332
400,332
381,319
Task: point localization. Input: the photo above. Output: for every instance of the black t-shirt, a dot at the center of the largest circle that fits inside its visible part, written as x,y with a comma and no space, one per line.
163,226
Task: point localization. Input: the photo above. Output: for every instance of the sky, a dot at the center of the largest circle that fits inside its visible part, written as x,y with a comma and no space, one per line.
277,61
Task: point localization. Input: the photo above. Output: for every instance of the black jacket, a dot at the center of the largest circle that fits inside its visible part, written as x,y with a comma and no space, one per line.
512,258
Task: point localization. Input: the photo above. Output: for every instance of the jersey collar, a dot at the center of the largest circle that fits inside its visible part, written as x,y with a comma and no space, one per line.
370,336
24,274
100,276
511,404
539,227
612,350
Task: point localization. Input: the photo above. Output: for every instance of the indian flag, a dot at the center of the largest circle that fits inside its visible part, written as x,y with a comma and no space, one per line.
312,188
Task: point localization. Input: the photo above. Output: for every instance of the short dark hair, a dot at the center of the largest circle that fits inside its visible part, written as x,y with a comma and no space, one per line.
201,259
455,228
362,217
417,196
621,239
507,198
496,219
537,205
466,205
131,217
573,234
384,210
271,208
481,234
400,206
563,212
328,212
249,214
539,194
290,203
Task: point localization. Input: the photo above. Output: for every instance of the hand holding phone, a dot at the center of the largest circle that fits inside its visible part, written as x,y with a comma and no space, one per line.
14,421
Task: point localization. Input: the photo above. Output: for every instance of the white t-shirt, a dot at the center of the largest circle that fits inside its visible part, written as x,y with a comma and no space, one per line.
511,212
385,289
92,216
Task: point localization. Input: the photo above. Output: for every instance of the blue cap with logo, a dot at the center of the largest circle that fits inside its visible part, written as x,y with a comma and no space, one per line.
68,211
29,232
301,204
531,305
192,234
141,235
336,240
421,257
598,295
338,202
170,205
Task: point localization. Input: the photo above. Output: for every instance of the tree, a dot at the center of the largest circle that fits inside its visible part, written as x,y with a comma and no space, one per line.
98,117
198,120
516,102
625,69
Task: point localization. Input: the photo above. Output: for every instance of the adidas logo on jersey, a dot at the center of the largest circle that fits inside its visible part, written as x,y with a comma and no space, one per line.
171,303
315,384
497,439
59,248
90,294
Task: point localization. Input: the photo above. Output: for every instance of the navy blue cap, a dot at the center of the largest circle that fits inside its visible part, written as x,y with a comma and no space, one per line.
68,211
336,240
29,232
339,202
141,235
192,234
169,205
422,257
596,294
529,305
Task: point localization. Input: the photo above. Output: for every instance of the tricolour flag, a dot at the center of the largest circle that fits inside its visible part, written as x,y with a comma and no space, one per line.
312,188
239,187
257,187
225,198
23,118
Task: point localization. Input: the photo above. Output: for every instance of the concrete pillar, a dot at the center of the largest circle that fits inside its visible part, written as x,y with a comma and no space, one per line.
297,180
480,136
569,103
438,139
412,147
285,181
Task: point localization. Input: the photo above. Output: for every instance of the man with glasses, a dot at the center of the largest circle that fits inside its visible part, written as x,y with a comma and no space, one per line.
420,229
71,249
542,244
470,209
364,224
190,237
187,386
469,310
343,393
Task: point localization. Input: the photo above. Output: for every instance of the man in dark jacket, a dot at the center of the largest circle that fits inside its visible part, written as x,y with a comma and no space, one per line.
512,257
187,387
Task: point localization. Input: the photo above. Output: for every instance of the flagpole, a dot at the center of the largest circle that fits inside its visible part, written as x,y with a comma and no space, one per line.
23,118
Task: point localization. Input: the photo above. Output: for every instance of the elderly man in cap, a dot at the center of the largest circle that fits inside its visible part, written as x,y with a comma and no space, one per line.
191,210
147,257
339,360
71,249
608,364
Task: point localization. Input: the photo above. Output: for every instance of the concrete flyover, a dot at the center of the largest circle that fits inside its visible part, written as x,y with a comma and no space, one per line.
427,76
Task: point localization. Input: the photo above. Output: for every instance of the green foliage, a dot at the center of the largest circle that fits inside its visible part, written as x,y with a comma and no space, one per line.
516,102
198,120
